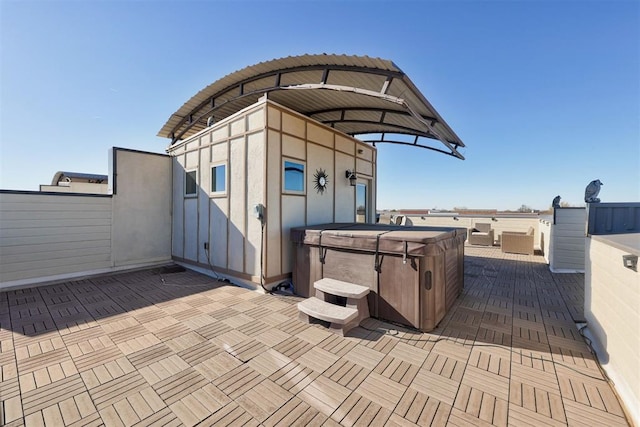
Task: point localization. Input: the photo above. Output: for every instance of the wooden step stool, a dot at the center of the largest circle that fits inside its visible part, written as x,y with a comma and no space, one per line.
341,319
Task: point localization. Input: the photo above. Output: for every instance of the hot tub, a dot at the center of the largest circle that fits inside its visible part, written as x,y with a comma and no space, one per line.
415,273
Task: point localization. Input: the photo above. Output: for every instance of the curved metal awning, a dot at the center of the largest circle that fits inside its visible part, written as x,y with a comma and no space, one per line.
78,176
369,98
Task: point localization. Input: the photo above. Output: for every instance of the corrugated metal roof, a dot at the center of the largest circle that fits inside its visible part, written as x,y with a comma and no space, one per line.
356,95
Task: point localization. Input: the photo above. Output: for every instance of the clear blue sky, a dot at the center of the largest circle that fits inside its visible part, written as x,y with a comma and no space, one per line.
545,94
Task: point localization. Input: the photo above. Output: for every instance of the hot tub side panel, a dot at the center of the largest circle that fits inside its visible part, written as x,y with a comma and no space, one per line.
399,296
417,293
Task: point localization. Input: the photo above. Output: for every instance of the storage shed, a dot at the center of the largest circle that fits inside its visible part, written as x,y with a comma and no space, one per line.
287,143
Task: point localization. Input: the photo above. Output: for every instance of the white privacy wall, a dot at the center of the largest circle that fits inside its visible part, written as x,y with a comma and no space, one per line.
43,235
55,236
612,311
568,233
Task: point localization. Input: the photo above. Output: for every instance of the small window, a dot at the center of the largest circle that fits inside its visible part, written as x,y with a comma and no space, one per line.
293,176
219,179
190,183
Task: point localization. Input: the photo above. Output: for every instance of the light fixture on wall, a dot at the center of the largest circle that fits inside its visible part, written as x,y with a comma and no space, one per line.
351,176
455,218
630,262
494,219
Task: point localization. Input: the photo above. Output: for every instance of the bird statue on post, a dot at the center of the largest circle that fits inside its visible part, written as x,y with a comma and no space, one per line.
592,190
556,202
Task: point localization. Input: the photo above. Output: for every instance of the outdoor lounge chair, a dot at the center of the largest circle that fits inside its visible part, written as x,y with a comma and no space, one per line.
385,218
481,234
517,242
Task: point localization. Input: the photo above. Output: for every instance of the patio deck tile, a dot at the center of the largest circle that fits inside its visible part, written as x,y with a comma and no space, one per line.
148,348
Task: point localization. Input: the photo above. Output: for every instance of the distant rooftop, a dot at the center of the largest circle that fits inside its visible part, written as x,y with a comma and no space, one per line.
62,176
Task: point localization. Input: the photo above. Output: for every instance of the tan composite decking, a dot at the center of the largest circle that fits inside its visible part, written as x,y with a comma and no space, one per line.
180,349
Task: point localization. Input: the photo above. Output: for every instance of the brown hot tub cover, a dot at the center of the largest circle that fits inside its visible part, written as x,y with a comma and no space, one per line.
386,239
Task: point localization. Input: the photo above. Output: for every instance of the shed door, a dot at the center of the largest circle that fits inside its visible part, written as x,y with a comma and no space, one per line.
362,201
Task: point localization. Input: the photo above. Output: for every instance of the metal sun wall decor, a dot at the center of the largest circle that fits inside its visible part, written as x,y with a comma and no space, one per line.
321,179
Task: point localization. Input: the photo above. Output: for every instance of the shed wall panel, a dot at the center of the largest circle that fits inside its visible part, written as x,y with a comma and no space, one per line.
293,215
319,135
203,204
293,125
255,196
219,152
365,153
191,229
177,219
345,194
345,145
220,133
237,204
219,208
273,118
320,205
191,160
364,167
256,120
293,147
238,127
273,231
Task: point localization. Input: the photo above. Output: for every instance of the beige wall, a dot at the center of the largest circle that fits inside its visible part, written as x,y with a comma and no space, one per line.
48,237
223,221
612,311
254,143
141,231
77,187
568,240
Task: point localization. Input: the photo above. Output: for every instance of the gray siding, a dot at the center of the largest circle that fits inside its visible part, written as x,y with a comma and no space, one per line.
614,218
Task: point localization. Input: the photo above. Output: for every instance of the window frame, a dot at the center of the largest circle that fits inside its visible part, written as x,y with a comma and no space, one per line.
304,176
221,193
184,188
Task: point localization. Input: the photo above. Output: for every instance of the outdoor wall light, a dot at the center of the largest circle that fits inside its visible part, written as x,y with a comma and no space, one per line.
351,176
455,218
494,219
630,262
